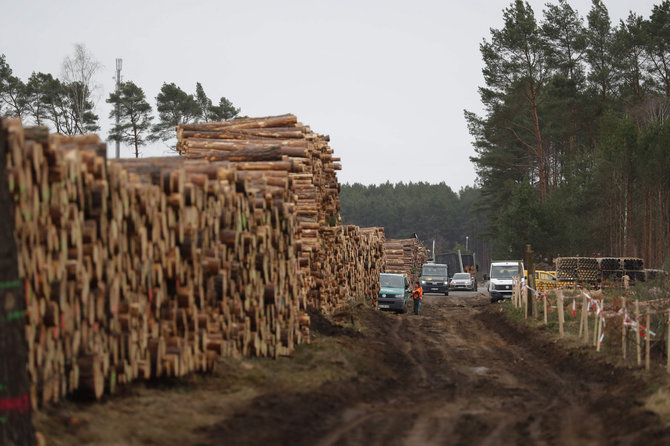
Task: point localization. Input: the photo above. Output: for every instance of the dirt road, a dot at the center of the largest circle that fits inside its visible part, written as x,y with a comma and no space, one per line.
458,374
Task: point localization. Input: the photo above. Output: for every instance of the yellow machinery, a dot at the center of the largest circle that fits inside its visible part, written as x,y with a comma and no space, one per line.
545,281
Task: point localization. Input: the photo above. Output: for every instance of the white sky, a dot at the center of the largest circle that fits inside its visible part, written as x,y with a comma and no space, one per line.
387,80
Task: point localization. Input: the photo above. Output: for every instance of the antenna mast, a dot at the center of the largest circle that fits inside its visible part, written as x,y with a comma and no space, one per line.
119,63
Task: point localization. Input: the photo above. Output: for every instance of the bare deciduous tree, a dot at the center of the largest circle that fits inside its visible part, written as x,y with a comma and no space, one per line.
78,74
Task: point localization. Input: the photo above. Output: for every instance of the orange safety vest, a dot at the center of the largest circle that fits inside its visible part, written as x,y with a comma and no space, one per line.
418,293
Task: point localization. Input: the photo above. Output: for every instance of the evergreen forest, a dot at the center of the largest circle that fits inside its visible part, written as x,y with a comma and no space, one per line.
572,150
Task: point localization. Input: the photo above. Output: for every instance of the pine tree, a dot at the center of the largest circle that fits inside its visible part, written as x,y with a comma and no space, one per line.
566,38
174,107
12,91
205,103
225,110
134,114
658,46
599,53
516,71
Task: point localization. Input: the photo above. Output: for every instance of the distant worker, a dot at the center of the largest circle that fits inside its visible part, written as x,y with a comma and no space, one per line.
417,295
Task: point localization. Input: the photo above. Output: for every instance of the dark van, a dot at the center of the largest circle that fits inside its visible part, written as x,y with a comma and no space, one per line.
435,278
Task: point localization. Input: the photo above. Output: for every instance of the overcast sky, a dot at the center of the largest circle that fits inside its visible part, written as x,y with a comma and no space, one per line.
387,80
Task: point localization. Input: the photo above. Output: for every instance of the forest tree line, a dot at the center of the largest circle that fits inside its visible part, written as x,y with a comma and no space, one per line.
65,103
572,152
431,211
573,149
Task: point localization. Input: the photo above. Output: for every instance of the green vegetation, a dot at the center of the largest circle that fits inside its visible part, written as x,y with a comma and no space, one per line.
432,211
66,104
573,148
134,114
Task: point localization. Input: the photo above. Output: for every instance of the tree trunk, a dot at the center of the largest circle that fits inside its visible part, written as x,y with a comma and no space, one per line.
613,222
15,420
137,150
628,242
650,229
538,139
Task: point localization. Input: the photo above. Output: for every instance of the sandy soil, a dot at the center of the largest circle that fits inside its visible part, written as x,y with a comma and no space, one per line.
459,374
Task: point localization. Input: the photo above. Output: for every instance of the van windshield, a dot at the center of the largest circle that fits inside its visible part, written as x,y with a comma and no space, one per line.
504,272
391,282
439,271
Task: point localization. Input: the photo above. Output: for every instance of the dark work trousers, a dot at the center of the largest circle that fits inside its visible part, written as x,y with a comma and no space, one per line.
417,306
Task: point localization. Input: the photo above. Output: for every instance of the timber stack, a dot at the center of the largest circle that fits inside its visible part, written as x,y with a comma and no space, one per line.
359,263
309,167
405,256
157,267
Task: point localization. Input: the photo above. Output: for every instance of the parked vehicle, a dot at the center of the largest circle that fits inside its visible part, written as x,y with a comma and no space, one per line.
501,277
394,293
463,281
435,278
544,280
453,262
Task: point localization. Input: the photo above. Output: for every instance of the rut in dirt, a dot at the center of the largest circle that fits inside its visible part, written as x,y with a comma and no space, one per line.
458,374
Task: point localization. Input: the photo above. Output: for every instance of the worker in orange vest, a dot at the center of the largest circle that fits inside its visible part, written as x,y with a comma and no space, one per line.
417,295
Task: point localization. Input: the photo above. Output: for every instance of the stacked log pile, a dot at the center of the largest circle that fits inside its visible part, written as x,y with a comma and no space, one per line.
405,256
157,267
360,263
310,168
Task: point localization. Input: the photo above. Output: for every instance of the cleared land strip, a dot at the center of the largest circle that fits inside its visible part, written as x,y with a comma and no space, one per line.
459,374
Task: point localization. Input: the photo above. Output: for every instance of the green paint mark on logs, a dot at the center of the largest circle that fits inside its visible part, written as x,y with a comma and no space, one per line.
10,284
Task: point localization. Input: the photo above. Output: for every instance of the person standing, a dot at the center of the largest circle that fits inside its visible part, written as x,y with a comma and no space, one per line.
417,295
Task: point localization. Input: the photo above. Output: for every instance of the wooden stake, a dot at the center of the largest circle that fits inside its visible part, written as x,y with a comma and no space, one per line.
544,298
585,316
581,322
623,328
667,344
561,313
530,281
637,333
596,320
647,346
525,305
600,326
519,271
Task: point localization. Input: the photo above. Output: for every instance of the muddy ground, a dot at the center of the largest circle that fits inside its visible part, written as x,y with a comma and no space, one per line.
459,374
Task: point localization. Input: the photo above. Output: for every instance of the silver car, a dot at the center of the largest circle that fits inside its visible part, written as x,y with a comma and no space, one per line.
463,281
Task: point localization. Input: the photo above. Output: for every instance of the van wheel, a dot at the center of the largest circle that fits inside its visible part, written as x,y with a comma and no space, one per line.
447,293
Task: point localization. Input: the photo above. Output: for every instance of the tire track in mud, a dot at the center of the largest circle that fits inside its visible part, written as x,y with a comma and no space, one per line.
392,418
462,374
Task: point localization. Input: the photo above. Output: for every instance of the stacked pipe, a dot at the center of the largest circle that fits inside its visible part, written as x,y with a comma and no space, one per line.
583,270
587,269
405,256
157,267
611,268
594,270
566,269
634,268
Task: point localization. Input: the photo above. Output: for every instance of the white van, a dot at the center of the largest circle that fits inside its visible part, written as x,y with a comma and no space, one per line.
500,278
